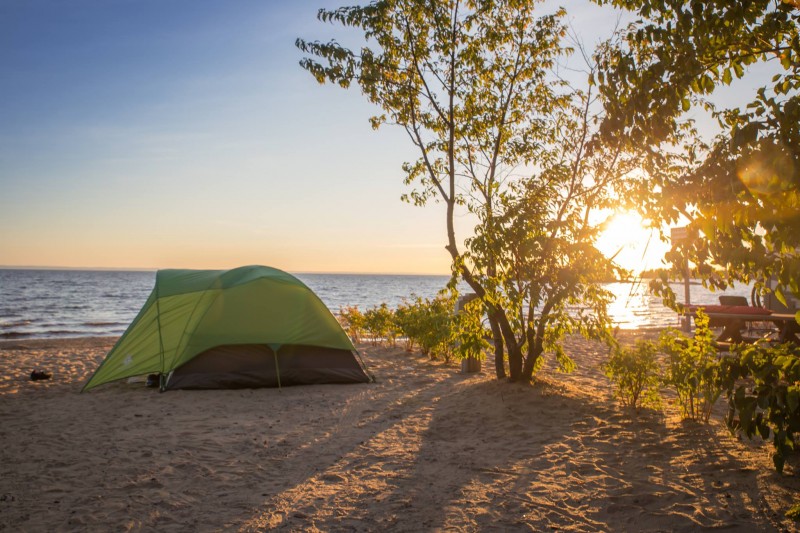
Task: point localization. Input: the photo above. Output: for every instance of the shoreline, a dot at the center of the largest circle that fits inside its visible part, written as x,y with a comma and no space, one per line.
423,448
25,338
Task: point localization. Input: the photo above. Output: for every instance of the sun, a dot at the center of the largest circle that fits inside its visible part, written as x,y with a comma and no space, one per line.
632,245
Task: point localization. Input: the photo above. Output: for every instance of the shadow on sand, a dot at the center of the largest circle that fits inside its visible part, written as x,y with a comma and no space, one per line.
469,453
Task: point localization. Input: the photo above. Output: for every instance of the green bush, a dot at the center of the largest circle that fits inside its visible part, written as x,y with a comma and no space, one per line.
432,325
420,322
635,374
352,321
429,324
434,329
693,370
469,335
768,404
380,326
407,319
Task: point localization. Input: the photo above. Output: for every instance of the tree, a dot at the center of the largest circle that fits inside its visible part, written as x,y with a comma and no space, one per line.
501,138
741,194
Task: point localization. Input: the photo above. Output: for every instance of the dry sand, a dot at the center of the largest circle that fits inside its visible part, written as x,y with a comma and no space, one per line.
424,448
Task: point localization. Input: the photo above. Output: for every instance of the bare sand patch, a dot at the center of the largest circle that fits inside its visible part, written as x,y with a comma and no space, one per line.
423,448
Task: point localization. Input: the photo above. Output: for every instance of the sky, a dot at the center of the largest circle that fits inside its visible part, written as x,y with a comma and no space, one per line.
184,134
153,134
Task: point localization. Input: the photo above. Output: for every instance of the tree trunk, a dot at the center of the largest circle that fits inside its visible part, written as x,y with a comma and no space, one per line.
499,353
499,314
514,363
497,335
530,364
535,349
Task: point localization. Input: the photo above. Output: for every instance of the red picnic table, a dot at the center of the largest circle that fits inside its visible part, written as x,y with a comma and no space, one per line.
733,318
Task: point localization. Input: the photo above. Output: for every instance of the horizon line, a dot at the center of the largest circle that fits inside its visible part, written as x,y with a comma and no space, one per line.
154,269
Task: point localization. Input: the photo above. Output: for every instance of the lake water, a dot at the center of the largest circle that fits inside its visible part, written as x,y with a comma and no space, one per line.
80,303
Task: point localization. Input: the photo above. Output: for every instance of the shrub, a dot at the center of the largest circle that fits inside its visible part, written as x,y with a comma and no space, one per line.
413,320
468,334
635,374
407,319
769,405
352,321
436,327
429,324
380,325
693,370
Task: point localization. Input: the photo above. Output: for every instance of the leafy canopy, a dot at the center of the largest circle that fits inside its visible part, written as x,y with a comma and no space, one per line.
741,193
504,142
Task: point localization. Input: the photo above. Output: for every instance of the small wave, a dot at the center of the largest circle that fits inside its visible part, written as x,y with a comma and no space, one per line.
53,324
64,333
14,335
22,324
102,324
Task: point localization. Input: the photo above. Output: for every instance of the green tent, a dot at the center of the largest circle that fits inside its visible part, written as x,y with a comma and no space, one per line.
252,326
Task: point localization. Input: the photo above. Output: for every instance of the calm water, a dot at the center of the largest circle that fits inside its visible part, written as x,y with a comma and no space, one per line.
76,303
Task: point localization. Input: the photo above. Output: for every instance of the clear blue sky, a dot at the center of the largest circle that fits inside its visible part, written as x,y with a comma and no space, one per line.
163,133
177,133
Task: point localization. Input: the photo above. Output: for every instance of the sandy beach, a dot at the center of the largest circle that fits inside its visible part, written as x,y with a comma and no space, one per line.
424,448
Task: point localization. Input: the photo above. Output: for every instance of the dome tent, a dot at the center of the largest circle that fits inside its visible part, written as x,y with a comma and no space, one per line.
251,326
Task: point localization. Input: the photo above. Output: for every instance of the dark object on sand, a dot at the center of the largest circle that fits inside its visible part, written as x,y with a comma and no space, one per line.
38,375
153,380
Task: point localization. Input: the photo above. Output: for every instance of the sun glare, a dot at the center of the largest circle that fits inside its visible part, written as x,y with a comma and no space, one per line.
631,244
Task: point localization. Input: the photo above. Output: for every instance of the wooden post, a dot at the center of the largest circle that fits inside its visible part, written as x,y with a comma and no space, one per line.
687,326
680,235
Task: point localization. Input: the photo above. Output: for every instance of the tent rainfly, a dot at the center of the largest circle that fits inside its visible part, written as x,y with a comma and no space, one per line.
251,326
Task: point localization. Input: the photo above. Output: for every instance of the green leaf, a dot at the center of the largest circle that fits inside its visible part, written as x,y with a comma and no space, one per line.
794,512
779,295
726,77
793,398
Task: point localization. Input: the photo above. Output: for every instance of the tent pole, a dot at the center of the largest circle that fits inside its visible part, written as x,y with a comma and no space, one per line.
365,367
162,382
277,369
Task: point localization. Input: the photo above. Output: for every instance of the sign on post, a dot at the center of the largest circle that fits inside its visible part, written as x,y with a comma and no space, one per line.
679,234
